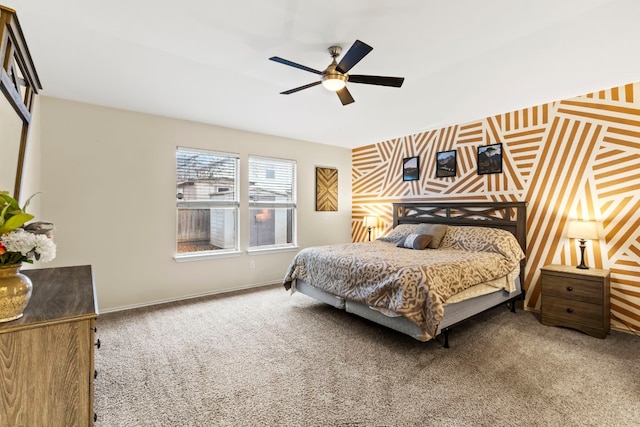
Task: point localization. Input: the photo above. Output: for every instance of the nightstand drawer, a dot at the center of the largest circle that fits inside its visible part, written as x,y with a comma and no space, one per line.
571,312
572,288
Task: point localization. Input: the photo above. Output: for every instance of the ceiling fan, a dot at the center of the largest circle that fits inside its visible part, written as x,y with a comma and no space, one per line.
335,76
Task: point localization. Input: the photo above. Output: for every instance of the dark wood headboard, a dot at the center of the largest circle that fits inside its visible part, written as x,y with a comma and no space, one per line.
510,216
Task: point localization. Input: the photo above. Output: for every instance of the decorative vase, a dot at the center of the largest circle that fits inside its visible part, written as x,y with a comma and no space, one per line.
15,292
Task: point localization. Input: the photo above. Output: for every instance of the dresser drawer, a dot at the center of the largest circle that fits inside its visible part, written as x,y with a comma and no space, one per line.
572,288
571,312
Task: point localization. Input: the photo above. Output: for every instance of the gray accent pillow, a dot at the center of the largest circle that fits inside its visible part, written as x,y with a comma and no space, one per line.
436,230
415,241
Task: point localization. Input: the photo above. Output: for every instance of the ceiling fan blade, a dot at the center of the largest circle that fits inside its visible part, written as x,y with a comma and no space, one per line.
293,64
345,96
376,80
290,91
355,53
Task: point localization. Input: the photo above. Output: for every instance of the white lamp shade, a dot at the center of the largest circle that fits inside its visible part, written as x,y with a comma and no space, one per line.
587,230
370,221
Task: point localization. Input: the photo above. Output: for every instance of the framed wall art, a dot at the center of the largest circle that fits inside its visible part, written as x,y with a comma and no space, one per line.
326,189
411,168
446,164
490,159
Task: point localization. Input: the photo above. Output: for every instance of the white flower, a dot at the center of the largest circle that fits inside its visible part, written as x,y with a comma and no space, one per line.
45,247
30,245
19,241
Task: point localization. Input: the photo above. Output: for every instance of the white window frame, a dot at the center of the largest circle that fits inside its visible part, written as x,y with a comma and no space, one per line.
233,205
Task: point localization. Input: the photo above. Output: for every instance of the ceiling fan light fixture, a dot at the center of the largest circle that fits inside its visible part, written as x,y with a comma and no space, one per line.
335,77
334,82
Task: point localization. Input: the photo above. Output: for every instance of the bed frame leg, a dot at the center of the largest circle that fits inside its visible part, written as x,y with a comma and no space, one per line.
446,338
513,306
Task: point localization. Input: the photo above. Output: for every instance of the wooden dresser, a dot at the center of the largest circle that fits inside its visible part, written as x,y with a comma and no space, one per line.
576,298
47,356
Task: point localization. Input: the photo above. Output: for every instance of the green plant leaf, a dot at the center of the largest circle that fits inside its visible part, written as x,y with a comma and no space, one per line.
3,214
15,222
24,208
11,201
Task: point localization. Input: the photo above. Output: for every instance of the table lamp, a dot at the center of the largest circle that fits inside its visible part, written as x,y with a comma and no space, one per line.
370,221
582,230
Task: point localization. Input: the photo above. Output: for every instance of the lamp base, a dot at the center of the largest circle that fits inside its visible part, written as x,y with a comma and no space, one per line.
582,265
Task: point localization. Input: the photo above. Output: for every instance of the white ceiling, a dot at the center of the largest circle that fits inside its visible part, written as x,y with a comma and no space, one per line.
207,60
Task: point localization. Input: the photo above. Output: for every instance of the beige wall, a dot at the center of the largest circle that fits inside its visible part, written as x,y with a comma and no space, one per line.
109,182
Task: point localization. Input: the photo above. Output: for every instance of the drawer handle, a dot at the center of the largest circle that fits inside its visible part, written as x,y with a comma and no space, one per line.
97,344
569,310
569,288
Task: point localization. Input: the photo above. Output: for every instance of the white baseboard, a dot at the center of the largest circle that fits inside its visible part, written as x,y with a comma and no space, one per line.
187,297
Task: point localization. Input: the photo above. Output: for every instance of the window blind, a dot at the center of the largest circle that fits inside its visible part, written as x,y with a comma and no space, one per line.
206,176
271,181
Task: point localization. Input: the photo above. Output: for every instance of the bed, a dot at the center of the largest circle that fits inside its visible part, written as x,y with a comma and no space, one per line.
441,264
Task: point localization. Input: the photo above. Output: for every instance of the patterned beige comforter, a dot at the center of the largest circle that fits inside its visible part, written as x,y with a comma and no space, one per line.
411,283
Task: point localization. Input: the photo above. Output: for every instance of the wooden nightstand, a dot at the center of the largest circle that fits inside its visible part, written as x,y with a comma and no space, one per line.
576,298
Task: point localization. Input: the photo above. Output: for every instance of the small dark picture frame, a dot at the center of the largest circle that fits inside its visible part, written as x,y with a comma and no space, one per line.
446,164
411,168
490,159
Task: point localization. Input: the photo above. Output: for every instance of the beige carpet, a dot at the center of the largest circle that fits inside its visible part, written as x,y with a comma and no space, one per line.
265,358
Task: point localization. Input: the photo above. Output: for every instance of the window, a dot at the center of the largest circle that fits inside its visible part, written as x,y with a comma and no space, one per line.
207,201
272,202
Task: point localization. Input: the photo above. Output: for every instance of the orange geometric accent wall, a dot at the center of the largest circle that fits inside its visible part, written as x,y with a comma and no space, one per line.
574,159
